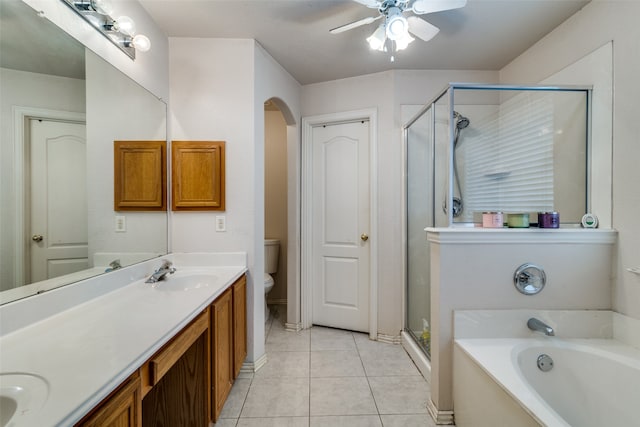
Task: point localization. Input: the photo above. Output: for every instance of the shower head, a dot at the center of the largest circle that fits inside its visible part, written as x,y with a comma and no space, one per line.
461,121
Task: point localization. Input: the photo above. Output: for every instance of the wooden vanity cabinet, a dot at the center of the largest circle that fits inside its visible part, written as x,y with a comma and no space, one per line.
239,290
122,408
176,386
221,351
188,380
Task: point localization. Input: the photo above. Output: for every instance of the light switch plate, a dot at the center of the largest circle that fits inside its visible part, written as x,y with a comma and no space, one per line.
121,224
221,223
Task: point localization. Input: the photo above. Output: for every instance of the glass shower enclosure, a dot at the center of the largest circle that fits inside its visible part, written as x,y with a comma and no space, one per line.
489,148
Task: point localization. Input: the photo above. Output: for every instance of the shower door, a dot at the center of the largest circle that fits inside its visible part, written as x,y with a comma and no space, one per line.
419,150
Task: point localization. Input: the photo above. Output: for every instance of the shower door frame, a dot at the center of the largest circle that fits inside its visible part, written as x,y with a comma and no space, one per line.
450,90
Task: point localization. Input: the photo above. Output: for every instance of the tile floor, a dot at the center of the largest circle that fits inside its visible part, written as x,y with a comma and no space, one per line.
327,377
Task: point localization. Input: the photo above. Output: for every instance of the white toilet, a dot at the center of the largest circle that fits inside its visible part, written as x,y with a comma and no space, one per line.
271,251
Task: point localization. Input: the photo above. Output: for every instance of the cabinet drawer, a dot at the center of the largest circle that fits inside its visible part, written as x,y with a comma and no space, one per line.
159,364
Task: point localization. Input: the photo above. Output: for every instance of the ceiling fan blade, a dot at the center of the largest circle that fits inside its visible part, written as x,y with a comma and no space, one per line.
369,3
421,28
354,24
421,7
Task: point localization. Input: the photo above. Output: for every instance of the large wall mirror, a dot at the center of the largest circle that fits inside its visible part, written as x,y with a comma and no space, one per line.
62,107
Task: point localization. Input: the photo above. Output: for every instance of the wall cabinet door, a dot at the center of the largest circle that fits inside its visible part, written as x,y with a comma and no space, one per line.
120,409
140,175
221,350
239,324
197,175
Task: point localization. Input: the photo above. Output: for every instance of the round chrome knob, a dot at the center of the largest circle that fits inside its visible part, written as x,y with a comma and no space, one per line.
37,237
364,237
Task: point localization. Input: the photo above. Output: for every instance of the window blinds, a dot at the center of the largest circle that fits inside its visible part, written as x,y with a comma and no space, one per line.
508,160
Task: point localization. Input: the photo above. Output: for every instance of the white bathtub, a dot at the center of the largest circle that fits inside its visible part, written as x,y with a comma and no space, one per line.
593,383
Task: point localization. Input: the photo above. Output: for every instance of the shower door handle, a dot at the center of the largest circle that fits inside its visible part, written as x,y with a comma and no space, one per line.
364,237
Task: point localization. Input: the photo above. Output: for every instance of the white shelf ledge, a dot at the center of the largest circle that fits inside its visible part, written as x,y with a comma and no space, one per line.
479,235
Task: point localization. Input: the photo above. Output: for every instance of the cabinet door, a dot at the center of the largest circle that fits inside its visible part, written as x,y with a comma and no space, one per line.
222,350
140,176
120,409
197,175
239,324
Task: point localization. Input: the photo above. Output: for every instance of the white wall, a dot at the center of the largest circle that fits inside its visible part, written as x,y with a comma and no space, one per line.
275,196
598,23
275,83
386,92
218,89
474,268
25,89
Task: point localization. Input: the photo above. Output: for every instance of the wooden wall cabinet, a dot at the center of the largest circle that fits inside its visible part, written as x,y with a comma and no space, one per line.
140,175
121,409
197,175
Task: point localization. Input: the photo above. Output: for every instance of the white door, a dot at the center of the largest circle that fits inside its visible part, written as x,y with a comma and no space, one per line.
58,200
340,225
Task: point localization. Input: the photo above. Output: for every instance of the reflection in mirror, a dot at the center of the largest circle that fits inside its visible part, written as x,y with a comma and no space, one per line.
57,223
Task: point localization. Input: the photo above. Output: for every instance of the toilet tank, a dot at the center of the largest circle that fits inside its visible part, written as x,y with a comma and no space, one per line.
271,250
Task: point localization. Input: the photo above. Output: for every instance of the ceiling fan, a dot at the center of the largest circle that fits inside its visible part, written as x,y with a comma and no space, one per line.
396,27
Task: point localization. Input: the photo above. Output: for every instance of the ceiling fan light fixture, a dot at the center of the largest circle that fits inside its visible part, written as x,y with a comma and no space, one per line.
378,38
397,25
403,42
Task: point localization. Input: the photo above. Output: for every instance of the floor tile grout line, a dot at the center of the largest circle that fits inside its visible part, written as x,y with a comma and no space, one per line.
367,378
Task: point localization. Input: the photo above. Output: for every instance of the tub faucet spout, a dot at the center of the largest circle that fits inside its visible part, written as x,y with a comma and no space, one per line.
159,274
539,326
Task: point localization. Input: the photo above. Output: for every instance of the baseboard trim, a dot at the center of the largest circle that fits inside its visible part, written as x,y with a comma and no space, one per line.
417,355
293,327
251,367
440,417
389,339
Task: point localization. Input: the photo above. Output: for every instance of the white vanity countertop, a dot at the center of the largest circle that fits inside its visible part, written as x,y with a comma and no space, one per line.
85,352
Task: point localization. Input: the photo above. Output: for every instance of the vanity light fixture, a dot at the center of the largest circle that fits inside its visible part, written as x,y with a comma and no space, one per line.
120,31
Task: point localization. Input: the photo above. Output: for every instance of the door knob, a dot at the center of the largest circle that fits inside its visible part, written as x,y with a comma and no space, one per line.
37,237
364,237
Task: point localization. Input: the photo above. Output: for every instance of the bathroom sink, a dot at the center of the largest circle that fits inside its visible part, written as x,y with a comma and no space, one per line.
21,395
186,282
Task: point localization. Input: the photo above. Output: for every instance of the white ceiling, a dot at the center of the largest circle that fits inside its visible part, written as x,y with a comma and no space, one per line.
484,35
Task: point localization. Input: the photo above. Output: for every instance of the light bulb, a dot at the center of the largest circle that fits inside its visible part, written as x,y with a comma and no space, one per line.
397,25
403,42
141,43
125,25
103,7
377,39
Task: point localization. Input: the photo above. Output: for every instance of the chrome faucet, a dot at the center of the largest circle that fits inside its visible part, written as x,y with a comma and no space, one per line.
160,273
539,326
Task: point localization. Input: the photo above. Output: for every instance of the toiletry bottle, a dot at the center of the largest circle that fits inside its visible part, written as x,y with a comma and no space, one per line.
426,334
